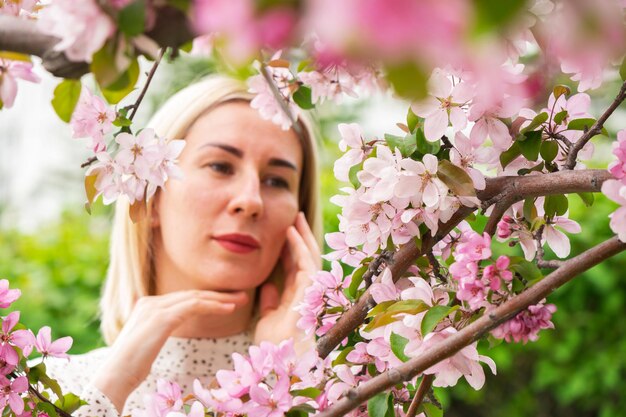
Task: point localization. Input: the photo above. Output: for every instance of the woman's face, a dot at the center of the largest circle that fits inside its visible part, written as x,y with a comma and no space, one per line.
222,227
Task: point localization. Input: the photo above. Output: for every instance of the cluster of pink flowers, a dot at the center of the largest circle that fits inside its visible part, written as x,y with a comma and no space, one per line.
20,8
13,380
142,164
324,301
268,382
474,281
527,324
515,227
616,189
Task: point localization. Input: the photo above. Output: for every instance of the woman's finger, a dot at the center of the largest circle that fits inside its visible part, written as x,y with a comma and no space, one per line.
166,300
269,298
300,251
309,238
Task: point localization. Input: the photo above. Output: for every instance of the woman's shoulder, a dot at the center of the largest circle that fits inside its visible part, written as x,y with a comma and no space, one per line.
75,372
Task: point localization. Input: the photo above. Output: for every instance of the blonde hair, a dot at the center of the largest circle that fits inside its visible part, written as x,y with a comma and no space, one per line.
131,270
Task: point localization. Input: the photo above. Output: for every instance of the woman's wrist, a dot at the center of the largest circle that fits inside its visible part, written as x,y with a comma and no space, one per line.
115,386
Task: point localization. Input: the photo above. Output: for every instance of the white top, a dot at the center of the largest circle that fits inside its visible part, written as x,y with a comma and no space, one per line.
181,360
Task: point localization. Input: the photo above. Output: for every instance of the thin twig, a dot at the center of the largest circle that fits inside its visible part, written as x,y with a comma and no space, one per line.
477,329
595,129
384,258
425,385
541,262
281,101
134,106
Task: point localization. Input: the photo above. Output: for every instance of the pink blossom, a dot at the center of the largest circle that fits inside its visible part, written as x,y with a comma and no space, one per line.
7,296
326,85
504,227
443,106
351,137
555,238
527,324
347,254
380,175
23,338
359,354
92,118
385,290
471,290
9,358
270,403
265,101
108,177
616,191
47,347
463,363
475,246
202,46
494,274
216,399
197,410
489,123
466,154
419,182
10,72
618,168
238,381
82,27
11,391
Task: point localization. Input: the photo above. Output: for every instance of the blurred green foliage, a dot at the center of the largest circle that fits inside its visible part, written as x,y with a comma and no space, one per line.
59,270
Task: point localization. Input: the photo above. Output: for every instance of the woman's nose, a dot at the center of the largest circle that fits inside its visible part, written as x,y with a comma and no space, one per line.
246,198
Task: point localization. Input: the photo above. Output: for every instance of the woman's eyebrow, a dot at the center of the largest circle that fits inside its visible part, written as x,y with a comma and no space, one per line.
279,162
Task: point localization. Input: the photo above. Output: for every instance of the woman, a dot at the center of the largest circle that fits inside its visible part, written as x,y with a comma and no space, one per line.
181,291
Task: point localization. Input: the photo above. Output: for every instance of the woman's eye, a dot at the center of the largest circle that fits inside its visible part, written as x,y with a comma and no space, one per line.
221,167
277,182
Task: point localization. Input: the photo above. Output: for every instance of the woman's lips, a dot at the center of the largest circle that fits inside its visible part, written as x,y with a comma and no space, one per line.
237,243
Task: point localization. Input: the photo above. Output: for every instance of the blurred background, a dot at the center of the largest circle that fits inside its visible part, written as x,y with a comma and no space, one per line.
57,255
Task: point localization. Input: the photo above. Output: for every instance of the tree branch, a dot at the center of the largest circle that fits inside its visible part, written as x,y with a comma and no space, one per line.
507,190
425,385
595,129
172,29
474,331
402,259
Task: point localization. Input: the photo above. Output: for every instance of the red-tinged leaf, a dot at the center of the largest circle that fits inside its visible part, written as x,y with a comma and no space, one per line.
278,63
560,90
456,179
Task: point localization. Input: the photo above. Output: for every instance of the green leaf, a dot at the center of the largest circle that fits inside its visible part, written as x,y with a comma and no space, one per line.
491,15
549,150
531,144
122,121
302,97
622,70
581,124
398,343
356,279
560,116
47,408
406,144
131,19
510,154
65,98
70,403
431,410
587,198
527,270
380,307
555,205
559,90
456,179
302,410
38,374
341,358
424,146
310,392
380,405
103,65
411,120
536,122
411,306
529,210
434,315
352,175
116,91
408,80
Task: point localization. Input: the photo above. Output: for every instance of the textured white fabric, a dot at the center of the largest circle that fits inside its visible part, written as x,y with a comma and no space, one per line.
180,360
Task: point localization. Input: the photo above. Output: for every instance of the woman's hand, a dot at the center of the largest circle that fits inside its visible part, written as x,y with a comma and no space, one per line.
152,321
301,258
